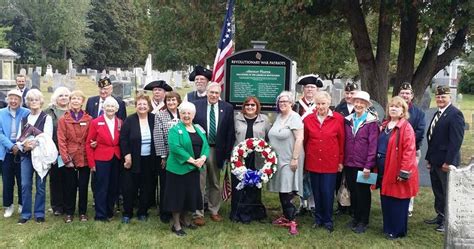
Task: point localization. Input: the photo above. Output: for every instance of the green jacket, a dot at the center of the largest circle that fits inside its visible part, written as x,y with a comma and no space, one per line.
181,149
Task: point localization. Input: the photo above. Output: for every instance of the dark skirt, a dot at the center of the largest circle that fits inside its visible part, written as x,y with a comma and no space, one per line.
182,192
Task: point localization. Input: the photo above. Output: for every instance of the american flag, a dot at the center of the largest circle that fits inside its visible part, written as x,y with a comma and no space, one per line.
226,46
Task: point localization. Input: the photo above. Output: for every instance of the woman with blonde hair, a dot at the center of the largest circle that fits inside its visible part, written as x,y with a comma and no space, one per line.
397,168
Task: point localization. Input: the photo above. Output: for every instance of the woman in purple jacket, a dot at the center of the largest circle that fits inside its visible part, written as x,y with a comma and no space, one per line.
361,128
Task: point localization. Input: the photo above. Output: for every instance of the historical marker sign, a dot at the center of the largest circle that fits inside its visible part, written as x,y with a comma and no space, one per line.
256,72
460,208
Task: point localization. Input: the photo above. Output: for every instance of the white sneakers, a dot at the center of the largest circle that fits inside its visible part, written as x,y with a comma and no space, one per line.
9,211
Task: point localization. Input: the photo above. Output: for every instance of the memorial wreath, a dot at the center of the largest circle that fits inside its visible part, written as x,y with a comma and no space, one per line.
248,177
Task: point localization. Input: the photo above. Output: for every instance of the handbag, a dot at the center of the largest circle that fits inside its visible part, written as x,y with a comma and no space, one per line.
226,185
343,194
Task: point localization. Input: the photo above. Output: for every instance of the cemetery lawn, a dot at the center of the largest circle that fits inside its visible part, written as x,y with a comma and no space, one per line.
54,233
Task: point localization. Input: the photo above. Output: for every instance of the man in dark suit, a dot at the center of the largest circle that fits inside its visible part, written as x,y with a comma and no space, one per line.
21,85
217,118
94,104
445,135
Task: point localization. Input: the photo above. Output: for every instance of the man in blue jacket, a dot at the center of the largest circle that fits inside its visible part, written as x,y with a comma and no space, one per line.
445,135
417,121
10,118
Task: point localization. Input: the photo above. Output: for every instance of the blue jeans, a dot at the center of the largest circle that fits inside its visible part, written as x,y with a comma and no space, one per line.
11,171
27,172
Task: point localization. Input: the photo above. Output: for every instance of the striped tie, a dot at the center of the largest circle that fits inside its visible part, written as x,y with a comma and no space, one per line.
212,126
433,124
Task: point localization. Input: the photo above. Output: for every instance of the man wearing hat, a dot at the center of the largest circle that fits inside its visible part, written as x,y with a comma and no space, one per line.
304,107
445,135
201,76
346,107
159,89
417,121
10,118
94,104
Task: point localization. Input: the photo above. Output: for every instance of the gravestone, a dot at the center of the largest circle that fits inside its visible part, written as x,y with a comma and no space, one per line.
423,172
460,208
258,72
49,71
426,100
23,71
30,71
57,80
73,73
178,79
83,71
38,70
36,80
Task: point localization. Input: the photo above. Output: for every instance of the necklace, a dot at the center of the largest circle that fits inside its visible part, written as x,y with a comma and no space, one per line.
387,130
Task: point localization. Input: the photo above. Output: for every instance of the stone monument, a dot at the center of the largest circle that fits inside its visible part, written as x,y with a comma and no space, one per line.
460,208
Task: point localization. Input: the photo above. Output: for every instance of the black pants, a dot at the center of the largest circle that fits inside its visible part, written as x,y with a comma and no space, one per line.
74,179
360,196
164,215
138,185
439,180
289,209
56,186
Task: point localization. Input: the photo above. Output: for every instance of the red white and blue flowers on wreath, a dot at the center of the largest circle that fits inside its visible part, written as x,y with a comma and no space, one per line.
248,177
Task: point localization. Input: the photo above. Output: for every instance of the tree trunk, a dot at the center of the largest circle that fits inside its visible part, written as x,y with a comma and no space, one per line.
407,48
374,72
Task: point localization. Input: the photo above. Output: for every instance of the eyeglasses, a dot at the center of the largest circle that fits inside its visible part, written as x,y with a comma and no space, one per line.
283,101
252,105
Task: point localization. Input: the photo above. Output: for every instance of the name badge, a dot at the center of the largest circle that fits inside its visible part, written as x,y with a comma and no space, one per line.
101,123
82,124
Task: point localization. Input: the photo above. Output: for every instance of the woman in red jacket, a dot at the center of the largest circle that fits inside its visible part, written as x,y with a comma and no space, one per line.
73,127
324,147
103,156
397,167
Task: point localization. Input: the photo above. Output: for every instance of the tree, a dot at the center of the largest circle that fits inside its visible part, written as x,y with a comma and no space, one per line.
42,28
117,37
3,41
443,25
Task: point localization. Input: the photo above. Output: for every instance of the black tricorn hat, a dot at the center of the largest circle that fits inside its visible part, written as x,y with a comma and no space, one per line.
160,84
199,70
440,90
104,82
406,86
310,79
351,86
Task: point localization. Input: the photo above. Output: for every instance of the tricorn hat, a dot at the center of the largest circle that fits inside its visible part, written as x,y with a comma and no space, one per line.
199,70
104,82
310,79
351,86
440,90
406,86
158,84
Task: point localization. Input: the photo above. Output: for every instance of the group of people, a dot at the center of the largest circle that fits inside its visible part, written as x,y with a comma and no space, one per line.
170,154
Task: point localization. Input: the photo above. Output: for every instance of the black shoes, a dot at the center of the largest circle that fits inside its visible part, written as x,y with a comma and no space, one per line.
179,232
360,228
436,220
22,221
440,228
40,220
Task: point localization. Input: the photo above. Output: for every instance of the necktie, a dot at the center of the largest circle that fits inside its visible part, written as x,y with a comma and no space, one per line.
433,124
212,126
101,109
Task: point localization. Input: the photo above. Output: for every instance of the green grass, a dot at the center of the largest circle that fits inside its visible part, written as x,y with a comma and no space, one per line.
154,234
